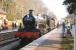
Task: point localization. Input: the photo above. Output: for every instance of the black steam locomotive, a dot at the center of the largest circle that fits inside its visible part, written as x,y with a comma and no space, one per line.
29,32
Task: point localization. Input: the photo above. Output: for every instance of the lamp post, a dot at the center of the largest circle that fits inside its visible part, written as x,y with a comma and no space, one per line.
74,29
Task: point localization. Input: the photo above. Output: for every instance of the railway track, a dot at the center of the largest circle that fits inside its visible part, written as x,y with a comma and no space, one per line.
7,34
9,44
8,40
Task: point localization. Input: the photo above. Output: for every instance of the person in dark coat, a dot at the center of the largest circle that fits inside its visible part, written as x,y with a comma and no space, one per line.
63,30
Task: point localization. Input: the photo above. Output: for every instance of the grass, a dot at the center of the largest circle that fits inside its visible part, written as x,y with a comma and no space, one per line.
67,43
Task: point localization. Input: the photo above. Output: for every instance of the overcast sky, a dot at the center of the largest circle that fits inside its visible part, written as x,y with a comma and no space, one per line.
56,7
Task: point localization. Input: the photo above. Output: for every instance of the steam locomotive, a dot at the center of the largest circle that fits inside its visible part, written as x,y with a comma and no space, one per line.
29,32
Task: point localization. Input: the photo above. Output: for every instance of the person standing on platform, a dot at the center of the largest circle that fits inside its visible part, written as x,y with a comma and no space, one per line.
63,30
